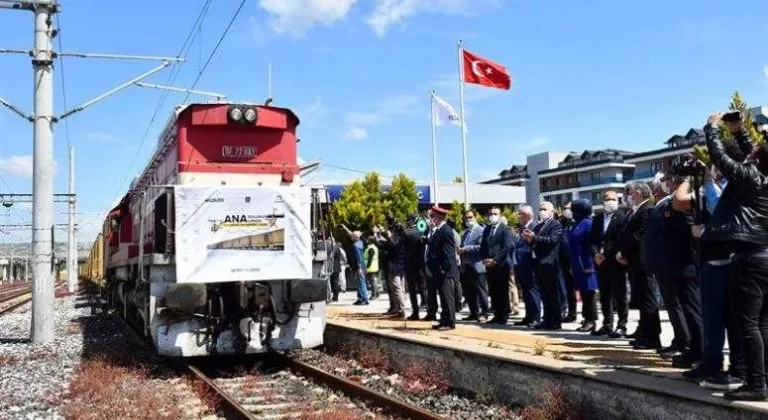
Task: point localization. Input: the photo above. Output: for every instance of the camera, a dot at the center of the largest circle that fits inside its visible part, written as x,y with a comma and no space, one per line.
689,166
732,116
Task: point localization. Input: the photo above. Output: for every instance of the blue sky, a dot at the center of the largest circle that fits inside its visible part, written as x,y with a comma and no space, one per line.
587,74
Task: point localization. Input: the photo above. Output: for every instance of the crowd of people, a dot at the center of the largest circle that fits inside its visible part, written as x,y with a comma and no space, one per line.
693,242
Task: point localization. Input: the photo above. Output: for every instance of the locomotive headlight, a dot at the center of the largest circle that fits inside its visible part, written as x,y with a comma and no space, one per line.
250,115
236,114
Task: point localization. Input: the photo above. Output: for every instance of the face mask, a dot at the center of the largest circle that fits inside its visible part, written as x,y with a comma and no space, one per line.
544,215
611,206
470,224
568,214
494,219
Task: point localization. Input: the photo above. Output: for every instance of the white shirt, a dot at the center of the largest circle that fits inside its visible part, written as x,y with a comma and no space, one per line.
607,217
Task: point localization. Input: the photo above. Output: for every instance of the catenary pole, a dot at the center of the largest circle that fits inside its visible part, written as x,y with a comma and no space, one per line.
42,177
72,241
463,127
42,258
435,200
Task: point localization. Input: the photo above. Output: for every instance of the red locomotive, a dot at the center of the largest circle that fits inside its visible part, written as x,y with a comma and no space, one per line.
210,251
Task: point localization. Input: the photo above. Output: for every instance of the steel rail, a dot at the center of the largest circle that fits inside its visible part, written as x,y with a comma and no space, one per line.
231,405
352,388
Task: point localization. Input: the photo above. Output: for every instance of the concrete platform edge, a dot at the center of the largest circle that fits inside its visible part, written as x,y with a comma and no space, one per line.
524,379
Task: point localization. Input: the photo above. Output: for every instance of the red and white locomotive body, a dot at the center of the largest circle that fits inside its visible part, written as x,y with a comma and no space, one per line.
210,252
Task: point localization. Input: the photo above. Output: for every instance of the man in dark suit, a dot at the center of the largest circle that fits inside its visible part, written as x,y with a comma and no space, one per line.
494,249
441,261
524,265
611,275
631,254
472,269
545,239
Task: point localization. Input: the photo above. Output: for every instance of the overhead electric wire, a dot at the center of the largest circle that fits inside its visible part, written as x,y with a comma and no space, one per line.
63,83
183,51
216,48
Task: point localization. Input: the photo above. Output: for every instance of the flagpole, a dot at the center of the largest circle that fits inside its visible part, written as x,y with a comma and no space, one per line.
434,149
463,127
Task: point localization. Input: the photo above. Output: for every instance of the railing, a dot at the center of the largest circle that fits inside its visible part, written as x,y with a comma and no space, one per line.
561,187
604,180
642,174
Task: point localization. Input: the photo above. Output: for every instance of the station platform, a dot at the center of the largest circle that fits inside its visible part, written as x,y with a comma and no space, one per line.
613,360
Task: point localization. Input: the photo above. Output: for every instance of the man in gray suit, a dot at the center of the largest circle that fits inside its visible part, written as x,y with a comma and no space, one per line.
472,268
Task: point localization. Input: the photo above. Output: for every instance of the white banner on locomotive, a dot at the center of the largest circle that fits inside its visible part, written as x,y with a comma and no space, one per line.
242,234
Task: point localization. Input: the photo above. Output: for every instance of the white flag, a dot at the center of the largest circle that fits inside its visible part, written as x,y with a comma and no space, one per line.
444,112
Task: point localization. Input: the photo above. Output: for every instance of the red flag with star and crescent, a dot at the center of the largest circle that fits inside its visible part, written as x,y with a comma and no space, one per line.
482,71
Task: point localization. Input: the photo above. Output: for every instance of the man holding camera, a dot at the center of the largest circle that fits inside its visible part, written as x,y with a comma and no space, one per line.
740,223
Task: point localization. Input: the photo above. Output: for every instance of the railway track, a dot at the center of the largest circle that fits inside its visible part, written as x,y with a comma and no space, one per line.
284,388
14,297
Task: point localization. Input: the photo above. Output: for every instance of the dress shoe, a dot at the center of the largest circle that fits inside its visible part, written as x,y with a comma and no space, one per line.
747,393
446,327
534,325
515,312
586,327
671,352
521,323
413,317
437,326
605,330
619,333
430,318
470,318
398,315
645,344
569,318
685,361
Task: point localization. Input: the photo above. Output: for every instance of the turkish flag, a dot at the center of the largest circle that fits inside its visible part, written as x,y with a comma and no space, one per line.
482,71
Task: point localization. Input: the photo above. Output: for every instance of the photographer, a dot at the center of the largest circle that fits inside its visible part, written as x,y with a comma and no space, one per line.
740,223
392,239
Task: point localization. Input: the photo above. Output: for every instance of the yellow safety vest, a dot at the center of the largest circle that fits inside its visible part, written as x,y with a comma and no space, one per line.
374,266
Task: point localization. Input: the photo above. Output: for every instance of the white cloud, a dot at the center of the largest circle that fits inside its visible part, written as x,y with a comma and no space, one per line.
532,144
391,12
765,75
18,166
309,114
356,133
382,111
296,17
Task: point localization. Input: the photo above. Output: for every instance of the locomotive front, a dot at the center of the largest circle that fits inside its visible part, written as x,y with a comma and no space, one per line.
211,250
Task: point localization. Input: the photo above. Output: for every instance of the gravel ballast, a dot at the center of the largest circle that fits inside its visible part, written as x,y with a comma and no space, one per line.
414,387
34,378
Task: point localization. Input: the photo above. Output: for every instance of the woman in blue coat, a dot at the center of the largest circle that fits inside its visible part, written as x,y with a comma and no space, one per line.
582,265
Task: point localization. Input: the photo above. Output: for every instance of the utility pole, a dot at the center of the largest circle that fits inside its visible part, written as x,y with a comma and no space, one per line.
72,246
42,179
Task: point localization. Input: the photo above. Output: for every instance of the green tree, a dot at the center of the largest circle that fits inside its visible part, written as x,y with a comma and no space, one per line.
737,104
458,179
511,215
402,198
363,204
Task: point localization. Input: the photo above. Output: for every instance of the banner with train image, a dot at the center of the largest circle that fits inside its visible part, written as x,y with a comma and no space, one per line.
242,234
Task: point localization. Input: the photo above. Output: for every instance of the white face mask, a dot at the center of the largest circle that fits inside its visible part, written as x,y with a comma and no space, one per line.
568,214
544,215
494,219
470,223
630,200
611,206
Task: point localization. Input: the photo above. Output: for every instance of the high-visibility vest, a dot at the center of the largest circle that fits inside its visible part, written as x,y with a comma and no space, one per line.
374,266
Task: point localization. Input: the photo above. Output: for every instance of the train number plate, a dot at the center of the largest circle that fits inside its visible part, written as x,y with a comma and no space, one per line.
238,152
